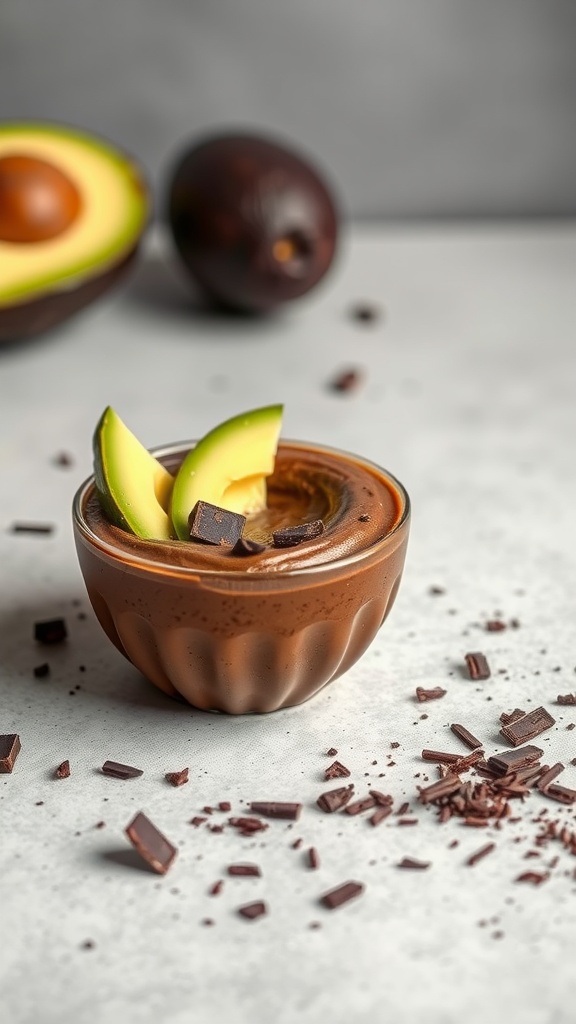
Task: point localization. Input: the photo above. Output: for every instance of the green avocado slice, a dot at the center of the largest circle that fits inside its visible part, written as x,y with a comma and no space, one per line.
228,466
133,487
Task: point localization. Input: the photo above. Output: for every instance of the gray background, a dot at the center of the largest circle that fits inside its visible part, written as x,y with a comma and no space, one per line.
414,107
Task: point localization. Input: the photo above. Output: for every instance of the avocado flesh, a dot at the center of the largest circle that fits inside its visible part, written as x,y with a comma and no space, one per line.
114,213
228,467
133,487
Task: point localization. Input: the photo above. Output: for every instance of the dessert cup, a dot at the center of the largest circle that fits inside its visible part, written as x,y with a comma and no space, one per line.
234,640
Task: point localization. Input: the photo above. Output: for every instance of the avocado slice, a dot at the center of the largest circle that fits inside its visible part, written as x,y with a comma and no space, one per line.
133,487
73,209
228,466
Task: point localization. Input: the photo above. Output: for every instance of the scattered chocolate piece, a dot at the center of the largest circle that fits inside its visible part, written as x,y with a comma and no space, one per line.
342,894
347,380
51,631
570,726
121,771
335,799
242,870
332,752
528,727
364,518
412,862
480,854
507,719
224,805
313,858
495,625
253,910
177,778
247,826
292,535
63,770
365,804
197,821
214,525
32,528
437,790
511,760
434,693
560,793
566,698
379,815
41,671
548,776
10,747
466,736
245,546
440,756
365,313
382,799
216,888
151,844
276,809
477,664
336,771
534,877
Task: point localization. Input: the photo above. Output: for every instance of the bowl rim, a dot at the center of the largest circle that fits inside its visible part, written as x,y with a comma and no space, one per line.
131,557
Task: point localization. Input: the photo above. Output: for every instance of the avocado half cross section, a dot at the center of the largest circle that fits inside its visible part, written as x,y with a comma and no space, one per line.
228,467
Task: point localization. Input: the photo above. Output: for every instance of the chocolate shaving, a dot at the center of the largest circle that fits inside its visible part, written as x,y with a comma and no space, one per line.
549,776
151,844
245,546
244,870
480,854
440,756
342,894
121,771
10,747
437,790
466,736
276,809
412,862
335,799
477,664
313,858
534,877
336,771
177,778
507,719
434,693
561,794
358,806
63,770
253,910
292,535
528,727
382,799
214,525
511,760
51,631
566,698
379,815
32,528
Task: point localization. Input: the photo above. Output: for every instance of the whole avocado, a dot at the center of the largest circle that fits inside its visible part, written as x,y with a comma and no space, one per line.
253,222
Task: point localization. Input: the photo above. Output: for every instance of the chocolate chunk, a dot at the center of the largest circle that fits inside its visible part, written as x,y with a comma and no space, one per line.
248,825
528,727
245,546
121,771
440,756
214,525
151,844
480,854
51,631
313,858
382,799
41,671
548,776
276,809
335,799
566,698
345,381
63,770
253,910
177,778
379,815
507,719
437,790
434,693
292,535
244,870
412,862
511,760
336,771
466,736
342,894
560,793
9,749
32,528
359,806
478,667
332,752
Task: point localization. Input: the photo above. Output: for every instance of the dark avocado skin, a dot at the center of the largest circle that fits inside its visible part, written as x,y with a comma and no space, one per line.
41,315
230,198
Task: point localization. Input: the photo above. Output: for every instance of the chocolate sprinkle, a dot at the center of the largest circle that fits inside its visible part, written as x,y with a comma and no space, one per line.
151,844
342,894
9,749
292,535
177,778
244,870
548,776
214,525
412,862
477,664
121,771
313,858
276,809
51,631
480,854
253,910
434,693
528,727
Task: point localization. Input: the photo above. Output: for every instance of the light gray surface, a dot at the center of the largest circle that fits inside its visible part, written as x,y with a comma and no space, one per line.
468,398
433,107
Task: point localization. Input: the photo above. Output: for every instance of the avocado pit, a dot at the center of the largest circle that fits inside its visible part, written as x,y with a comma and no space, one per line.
38,201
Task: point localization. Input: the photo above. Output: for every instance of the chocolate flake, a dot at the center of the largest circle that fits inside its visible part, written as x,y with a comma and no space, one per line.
292,535
121,771
253,910
335,799
177,778
528,727
480,854
412,862
511,760
151,844
342,894
244,870
245,546
276,809
63,770
336,771
566,698
41,671
214,525
534,877
10,747
51,631
466,736
477,664
32,528
434,693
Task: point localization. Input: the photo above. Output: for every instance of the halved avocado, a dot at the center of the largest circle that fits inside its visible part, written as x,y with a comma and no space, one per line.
228,466
133,487
73,209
